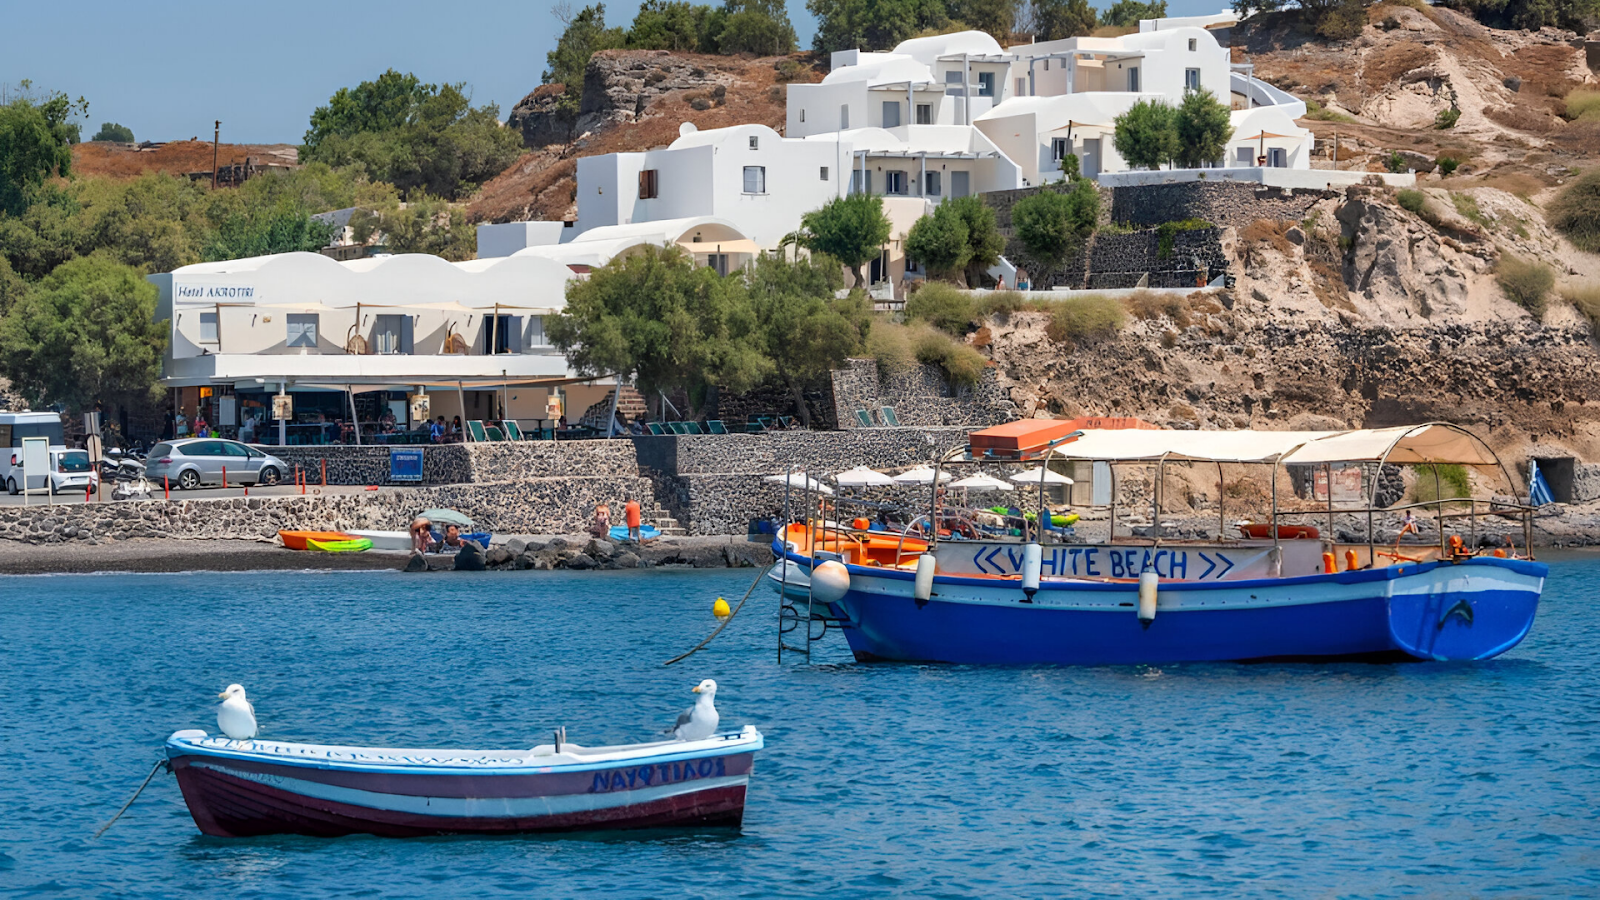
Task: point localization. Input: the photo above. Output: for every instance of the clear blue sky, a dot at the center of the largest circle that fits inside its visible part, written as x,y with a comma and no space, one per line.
167,68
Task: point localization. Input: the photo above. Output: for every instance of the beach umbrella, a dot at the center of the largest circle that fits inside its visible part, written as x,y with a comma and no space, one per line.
919,475
982,482
800,481
861,476
1035,475
446,517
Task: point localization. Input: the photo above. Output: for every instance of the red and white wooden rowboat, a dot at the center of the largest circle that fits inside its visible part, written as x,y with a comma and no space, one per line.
255,787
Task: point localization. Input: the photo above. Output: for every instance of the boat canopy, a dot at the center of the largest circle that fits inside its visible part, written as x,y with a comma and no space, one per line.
1435,442
1137,445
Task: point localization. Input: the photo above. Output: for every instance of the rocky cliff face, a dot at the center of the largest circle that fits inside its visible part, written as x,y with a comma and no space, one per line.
1363,314
631,100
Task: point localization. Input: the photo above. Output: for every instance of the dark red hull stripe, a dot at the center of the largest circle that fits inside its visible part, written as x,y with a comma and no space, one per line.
548,784
226,806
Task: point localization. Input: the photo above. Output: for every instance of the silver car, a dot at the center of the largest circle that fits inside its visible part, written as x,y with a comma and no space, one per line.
192,462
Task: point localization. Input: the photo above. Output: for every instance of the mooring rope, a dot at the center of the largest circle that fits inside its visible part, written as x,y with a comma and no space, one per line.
153,770
724,624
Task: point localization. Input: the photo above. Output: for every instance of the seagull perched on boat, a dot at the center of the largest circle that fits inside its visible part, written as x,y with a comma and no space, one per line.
699,721
236,717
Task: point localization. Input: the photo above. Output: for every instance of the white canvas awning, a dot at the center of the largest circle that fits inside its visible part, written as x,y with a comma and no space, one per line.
920,475
800,481
1144,444
861,476
1406,445
1040,474
982,482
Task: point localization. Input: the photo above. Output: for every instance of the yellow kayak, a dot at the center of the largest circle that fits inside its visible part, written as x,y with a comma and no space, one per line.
350,546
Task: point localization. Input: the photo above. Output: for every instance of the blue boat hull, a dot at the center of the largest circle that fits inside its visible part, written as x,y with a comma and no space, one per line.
1475,609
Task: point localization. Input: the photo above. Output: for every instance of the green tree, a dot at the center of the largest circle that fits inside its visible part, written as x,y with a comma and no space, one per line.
36,138
86,332
939,242
654,316
585,35
995,17
872,24
284,227
1127,13
44,235
985,243
666,25
1147,134
1055,20
428,225
1572,15
1052,225
756,26
851,229
803,328
1203,126
415,136
154,223
12,287
111,131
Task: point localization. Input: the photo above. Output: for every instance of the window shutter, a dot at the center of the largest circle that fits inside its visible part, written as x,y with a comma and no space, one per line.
406,326
514,335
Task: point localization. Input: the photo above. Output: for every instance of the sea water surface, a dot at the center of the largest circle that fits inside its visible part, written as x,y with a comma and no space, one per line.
1307,780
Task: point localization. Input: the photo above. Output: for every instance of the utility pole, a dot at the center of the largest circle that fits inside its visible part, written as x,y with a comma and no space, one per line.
215,136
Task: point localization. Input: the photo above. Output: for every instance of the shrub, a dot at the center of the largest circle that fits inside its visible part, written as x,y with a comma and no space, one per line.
1153,305
1575,212
946,308
792,70
1585,298
1317,111
1447,165
1467,206
998,303
1412,201
1447,118
1525,283
961,365
1451,482
890,345
1083,319
1395,163
1167,232
1583,105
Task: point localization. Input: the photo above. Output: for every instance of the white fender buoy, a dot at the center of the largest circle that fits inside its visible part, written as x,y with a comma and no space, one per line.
1032,561
1147,597
830,581
924,584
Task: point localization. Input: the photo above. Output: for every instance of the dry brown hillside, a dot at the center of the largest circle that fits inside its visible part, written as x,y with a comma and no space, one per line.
103,159
633,100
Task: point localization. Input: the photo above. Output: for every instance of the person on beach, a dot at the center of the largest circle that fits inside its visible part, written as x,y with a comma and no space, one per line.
630,513
421,534
180,425
436,431
600,525
457,435
201,429
452,536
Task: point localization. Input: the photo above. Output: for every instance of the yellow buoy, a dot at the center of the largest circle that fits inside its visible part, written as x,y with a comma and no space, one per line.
720,609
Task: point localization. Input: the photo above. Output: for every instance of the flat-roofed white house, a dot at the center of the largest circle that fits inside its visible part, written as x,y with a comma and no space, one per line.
354,340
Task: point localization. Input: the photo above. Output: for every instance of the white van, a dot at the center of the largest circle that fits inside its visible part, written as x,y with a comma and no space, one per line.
70,471
14,426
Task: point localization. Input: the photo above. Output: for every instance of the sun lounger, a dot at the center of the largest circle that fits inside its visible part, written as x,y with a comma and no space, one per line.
889,418
513,431
692,428
476,430
715,426
864,418
656,429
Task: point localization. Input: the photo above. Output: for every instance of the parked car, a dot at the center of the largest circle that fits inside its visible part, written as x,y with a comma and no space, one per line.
191,462
70,472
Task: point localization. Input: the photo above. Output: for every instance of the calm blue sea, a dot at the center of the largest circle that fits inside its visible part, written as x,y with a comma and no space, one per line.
879,780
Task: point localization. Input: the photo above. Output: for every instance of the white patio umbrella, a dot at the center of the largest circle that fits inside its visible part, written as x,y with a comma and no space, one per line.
800,481
861,476
1040,473
919,475
982,482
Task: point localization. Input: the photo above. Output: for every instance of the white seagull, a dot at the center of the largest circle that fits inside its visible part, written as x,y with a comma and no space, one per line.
699,721
236,717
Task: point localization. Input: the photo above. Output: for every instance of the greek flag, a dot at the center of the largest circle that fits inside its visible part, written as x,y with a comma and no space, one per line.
1538,488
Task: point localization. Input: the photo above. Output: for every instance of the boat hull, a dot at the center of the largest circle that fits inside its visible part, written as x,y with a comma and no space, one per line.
1476,609
243,795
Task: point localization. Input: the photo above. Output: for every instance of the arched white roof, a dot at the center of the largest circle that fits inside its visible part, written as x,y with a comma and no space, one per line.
719,135
927,50
882,68
399,280
598,246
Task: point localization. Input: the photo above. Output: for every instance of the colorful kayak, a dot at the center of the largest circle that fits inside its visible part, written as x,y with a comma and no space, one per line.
248,788
354,545
297,540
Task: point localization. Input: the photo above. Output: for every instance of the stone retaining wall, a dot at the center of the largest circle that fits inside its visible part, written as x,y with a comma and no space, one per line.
1228,204
919,397
462,463
1122,260
538,506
